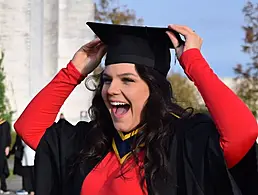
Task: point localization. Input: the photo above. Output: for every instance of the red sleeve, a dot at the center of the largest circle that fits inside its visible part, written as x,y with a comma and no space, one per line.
234,121
43,109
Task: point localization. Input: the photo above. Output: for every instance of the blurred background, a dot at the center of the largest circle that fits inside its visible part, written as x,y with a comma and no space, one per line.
38,38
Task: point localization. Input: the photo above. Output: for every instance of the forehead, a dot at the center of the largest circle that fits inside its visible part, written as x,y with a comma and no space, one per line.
120,68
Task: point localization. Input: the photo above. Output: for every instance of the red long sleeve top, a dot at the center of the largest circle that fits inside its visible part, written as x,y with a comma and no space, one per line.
234,121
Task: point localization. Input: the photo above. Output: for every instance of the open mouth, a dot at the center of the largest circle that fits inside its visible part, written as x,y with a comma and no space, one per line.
119,109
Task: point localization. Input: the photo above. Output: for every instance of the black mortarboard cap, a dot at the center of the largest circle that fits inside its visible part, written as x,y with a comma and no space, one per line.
149,46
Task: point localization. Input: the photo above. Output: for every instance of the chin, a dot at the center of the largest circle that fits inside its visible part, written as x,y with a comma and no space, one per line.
122,127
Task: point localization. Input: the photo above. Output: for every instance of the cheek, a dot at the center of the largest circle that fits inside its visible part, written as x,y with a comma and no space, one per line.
143,94
139,107
104,94
140,98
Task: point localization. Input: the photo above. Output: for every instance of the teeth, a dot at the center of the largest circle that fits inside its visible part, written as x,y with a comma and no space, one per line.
117,103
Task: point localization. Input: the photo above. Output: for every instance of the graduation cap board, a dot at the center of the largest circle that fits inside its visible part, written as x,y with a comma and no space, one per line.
148,46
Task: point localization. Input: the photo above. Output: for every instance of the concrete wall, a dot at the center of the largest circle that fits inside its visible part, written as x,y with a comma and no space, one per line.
15,41
39,38
73,33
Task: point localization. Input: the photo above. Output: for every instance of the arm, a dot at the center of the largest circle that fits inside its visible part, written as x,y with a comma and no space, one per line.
234,121
9,139
42,110
8,131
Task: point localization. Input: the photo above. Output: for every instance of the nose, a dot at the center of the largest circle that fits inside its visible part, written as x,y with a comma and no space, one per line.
113,88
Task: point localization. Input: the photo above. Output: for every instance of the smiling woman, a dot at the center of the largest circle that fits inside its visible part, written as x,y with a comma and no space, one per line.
125,95
139,141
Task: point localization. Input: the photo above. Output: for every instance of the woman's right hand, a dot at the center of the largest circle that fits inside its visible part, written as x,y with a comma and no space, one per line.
89,56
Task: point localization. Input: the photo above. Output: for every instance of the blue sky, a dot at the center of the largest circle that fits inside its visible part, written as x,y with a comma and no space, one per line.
218,22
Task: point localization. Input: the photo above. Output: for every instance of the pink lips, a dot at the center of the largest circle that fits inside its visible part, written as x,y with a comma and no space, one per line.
119,109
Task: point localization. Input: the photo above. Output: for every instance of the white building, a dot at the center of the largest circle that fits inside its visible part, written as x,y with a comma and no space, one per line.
39,38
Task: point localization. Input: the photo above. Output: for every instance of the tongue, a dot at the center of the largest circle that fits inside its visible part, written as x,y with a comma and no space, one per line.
121,110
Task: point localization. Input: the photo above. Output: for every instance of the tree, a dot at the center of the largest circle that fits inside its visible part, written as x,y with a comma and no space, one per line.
111,12
5,110
185,93
247,77
108,11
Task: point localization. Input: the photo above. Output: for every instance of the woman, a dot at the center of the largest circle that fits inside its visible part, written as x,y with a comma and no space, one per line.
5,142
18,150
139,141
24,165
28,168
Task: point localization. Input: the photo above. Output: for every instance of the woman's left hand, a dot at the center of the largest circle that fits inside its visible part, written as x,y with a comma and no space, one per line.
192,40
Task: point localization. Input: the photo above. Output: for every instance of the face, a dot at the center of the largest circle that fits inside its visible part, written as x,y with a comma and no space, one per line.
125,95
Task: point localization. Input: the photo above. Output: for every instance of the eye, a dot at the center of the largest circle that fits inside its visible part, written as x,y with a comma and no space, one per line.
127,80
107,80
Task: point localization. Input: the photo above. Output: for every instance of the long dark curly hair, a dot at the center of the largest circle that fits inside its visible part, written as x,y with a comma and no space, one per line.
156,135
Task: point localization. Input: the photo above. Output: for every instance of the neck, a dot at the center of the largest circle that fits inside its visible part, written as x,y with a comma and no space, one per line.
126,135
122,143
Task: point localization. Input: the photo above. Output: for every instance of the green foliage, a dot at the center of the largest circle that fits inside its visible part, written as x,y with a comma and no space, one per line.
13,137
247,77
185,93
111,12
108,11
5,109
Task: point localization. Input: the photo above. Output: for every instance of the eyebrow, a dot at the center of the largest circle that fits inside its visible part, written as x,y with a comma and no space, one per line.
120,75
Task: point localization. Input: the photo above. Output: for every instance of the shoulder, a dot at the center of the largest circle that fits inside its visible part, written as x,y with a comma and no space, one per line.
199,137
64,133
198,125
195,131
190,124
199,118
6,124
64,128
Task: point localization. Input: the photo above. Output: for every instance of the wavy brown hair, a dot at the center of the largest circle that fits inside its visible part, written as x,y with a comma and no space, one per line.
156,135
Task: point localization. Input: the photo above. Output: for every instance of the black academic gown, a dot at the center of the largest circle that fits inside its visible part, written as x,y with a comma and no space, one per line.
5,141
195,157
